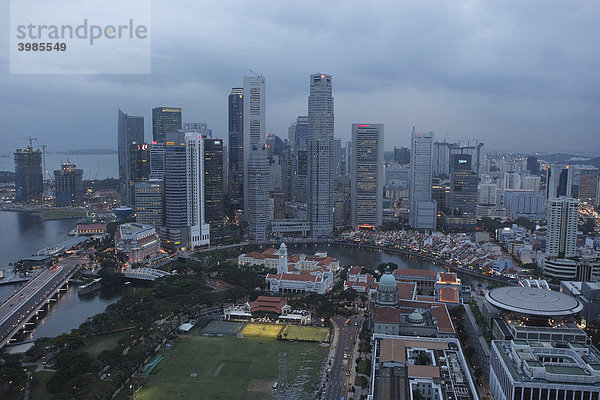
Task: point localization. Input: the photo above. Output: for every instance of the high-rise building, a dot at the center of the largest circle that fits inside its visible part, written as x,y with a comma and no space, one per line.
301,133
337,157
423,210
320,162
149,204
185,224
461,212
130,131
254,124
488,194
29,183
589,183
165,120
401,155
198,127
157,160
138,169
301,184
258,193
68,185
213,187
367,174
561,239
236,147
532,165
199,230
559,181
175,186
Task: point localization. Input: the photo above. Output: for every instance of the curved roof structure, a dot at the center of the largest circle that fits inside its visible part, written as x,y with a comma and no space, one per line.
533,301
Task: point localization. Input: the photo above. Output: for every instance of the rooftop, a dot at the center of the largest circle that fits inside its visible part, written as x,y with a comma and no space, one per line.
533,301
554,362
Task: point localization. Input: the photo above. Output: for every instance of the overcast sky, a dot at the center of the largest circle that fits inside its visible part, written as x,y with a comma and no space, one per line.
517,75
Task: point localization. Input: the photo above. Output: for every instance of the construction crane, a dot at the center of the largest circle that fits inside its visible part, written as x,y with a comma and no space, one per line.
257,75
31,139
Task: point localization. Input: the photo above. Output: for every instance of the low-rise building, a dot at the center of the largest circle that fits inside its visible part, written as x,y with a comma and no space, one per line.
267,306
588,294
298,273
528,369
404,367
137,241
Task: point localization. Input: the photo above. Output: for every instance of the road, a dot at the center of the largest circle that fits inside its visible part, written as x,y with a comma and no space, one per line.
17,309
343,361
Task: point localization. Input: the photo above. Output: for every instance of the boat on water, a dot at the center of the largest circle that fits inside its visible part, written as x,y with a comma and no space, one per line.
90,287
52,251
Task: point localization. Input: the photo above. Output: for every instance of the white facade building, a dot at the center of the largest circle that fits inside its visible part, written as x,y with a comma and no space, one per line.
562,227
199,230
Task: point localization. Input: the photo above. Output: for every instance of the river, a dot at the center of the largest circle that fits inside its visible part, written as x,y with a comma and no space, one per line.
23,235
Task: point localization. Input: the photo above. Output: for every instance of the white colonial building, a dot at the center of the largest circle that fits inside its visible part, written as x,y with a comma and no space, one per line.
298,273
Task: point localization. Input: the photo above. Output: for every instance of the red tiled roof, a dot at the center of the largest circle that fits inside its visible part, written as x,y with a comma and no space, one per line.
448,277
355,270
386,314
406,290
268,303
409,272
449,295
444,323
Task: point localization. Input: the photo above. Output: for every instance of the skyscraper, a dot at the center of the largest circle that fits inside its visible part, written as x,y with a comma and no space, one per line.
254,124
175,187
258,193
165,120
320,162
561,239
236,147
68,185
423,210
367,174
301,134
199,230
149,205
138,169
461,212
213,187
157,160
29,183
130,130
589,180
559,180
401,155
532,165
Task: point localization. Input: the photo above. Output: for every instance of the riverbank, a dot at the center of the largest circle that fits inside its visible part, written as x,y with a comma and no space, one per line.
47,214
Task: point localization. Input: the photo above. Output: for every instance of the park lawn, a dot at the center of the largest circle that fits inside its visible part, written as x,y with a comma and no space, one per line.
38,391
59,214
232,368
104,342
307,333
262,330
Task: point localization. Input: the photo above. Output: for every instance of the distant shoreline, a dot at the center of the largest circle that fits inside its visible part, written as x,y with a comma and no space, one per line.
48,214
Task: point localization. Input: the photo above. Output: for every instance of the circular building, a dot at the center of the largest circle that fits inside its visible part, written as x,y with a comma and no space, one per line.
533,302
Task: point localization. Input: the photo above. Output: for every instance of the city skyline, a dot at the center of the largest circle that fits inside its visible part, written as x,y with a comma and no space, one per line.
493,86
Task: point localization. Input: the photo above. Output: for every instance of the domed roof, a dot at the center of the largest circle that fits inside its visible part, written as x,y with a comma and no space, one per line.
416,317
387,280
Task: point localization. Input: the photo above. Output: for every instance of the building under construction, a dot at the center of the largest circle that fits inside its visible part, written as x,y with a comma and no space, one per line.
29,184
